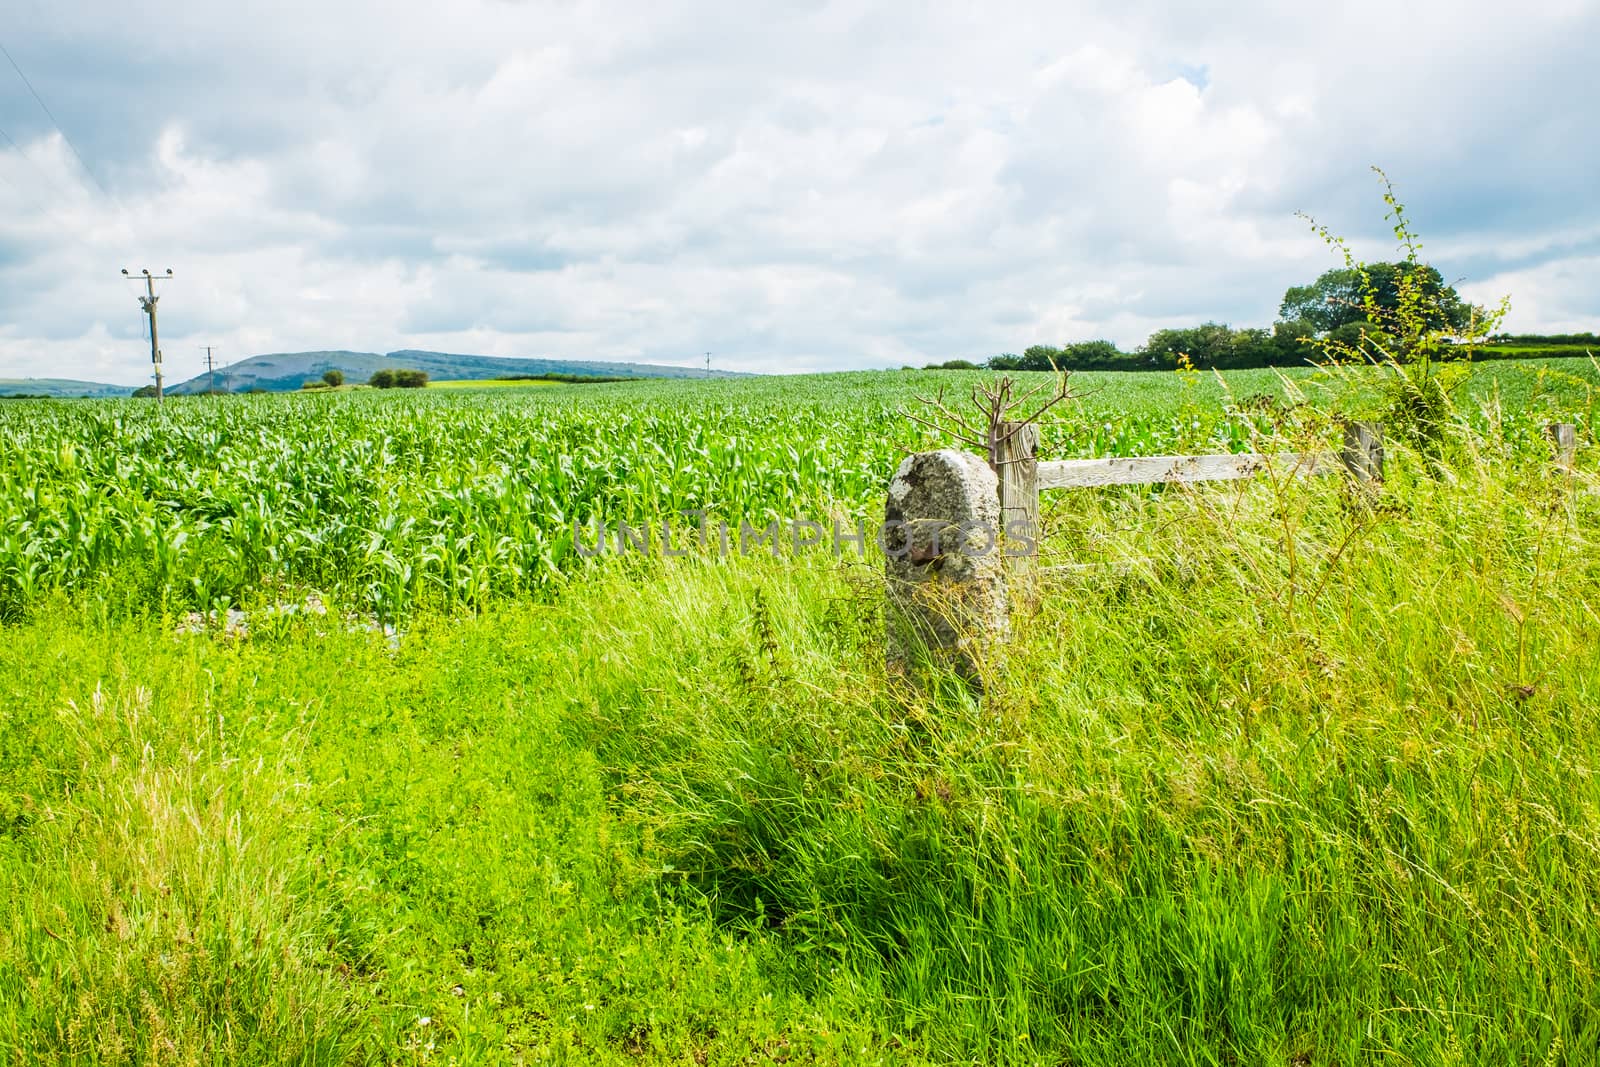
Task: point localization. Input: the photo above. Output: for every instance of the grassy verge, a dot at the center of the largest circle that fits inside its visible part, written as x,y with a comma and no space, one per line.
304,849
1283,776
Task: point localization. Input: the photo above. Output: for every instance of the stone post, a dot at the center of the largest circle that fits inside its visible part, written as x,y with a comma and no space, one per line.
942,540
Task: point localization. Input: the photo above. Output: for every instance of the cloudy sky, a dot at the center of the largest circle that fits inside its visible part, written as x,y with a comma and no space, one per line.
792,186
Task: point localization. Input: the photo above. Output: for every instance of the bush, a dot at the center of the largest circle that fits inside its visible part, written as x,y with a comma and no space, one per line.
382,379
333,378
1548,340
1078,355
1415,337
410,379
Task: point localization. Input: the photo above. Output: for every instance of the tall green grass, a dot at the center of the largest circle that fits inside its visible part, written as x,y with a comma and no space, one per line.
1276,772
305,848
1213,808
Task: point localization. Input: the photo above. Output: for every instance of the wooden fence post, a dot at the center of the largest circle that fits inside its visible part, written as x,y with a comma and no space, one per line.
1564,435
1362,454
1016,465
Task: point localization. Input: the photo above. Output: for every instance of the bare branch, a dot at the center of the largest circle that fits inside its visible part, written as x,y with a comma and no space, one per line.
1031,393
914,417
936,402
1063,392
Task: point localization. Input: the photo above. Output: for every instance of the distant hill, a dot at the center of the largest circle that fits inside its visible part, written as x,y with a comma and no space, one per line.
60,387
285,371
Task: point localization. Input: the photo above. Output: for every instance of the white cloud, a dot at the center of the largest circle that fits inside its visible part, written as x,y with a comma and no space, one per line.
790,185
1554,297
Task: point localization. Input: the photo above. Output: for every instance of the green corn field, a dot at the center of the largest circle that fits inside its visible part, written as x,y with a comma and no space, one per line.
460,498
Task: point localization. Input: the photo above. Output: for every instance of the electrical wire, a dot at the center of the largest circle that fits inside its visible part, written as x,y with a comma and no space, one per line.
48,114
111,199
30,161
83,164
32,200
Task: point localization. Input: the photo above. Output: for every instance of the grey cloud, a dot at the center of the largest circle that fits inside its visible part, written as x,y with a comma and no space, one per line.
799,185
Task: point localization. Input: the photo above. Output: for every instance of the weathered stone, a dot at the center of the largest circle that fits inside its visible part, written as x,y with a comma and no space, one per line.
946,574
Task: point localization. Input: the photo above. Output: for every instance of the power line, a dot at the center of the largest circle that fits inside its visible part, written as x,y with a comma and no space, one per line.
48,114
47,207
49,181
29,196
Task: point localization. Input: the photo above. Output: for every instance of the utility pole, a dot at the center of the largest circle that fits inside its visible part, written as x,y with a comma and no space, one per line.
148,302
708,364
211,371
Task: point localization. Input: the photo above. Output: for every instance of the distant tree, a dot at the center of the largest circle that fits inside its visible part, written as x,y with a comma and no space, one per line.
410,379
1092,353
144,391
1326,304
1555,340
1040,357
1078,355
1034,357
1216,345
1290,341
382,379
1206,345
1336,298
333,378
1351,333
314,385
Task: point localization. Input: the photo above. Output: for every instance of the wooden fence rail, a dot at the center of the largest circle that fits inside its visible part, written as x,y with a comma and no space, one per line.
1022,477
961,605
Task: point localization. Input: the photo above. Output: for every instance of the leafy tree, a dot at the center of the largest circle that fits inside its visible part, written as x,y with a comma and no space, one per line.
144,391
1326,304
1217,345
1351,334
1040,357
1210,344
1077,355
1420,333
1289,339
1092,353
382,379
1341,297
410,379
333,378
